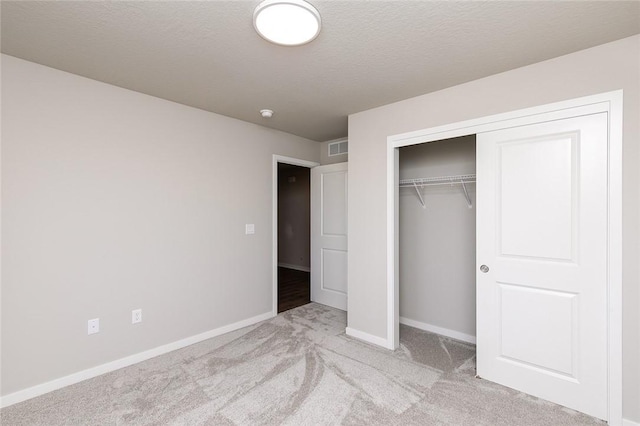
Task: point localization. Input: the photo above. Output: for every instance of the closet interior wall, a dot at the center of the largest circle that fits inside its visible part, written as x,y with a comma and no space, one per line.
438,242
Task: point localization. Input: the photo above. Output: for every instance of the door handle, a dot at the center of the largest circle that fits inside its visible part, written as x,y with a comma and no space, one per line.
484,269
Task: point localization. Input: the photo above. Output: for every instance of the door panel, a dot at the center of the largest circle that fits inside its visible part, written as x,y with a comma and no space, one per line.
329,235
546,167
334,270
547,339
334,203
542,231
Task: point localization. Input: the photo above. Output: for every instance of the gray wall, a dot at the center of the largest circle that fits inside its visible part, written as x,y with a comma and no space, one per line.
600,69
114,200
438,243
294,199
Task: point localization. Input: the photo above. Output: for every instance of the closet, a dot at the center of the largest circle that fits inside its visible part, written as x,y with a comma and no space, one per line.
547,245
437,236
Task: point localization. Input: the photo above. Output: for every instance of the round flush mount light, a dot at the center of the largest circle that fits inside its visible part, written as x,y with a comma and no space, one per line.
287,22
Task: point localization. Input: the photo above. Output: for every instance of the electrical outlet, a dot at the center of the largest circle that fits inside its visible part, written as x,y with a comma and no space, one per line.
249,229
93,326
136,316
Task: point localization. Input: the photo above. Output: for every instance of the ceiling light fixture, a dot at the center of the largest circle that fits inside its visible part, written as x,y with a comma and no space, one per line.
266,113
287,22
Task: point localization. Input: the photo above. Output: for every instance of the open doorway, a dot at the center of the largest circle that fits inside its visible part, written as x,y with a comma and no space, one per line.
437,235
294,212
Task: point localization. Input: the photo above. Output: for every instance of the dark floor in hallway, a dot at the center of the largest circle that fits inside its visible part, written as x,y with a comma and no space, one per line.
293,289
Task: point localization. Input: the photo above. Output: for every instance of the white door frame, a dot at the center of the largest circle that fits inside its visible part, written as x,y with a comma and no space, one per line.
611,103
274,217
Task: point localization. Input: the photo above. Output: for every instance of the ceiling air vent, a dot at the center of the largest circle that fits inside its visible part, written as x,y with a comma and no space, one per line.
338,148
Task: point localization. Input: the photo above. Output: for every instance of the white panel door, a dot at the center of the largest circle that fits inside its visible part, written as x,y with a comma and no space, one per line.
329,235
542,235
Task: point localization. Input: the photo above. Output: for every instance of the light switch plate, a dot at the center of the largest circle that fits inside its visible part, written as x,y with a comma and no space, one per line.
249,228
93,326
136,316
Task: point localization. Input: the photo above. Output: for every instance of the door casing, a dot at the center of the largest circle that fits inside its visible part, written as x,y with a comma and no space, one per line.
611,103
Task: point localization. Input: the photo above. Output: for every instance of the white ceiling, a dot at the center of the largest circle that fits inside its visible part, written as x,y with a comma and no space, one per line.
369,53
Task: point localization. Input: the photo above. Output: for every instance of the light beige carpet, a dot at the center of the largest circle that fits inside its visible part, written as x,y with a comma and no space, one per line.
297,369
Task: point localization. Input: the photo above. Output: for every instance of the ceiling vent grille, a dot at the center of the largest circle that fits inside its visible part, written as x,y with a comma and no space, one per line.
338,148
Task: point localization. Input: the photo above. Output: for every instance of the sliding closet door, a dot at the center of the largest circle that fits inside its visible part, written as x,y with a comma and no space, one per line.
542,260
329,235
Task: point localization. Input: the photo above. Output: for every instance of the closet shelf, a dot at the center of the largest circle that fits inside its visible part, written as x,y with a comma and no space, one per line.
440,180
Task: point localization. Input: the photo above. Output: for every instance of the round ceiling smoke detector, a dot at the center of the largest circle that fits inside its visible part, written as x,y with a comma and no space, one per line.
266,113
287,22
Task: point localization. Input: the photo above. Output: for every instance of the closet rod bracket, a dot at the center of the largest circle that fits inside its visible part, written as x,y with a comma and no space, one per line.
419,195
466,194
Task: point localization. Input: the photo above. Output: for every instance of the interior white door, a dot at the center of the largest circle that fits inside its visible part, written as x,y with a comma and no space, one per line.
329,235
542,260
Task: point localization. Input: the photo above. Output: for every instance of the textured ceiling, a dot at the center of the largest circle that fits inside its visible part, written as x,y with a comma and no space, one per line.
369,53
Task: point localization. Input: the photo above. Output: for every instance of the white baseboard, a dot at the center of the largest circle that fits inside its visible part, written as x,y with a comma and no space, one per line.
296,267
627,422
369,338
99,370
439,330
